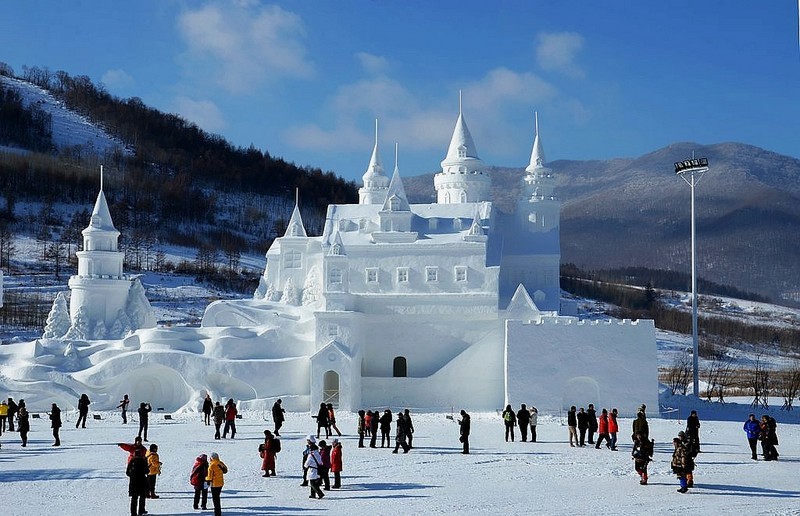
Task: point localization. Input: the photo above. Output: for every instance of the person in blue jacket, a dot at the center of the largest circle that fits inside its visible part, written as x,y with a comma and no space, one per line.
752,428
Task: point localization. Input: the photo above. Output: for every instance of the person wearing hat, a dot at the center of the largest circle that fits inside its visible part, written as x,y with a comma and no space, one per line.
310,440
138,487
312,465
325,467
216,478
55,423
198,480
464,428
268,454
679,463
336,463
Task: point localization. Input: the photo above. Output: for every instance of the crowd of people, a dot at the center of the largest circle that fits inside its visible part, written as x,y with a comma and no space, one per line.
320,459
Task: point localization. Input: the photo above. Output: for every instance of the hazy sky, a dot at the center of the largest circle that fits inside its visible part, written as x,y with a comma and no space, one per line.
305,80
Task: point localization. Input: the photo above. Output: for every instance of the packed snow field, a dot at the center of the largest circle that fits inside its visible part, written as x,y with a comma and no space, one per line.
86,475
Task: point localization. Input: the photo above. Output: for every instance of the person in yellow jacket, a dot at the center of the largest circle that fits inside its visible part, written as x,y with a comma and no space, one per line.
154,465
3,416
216,477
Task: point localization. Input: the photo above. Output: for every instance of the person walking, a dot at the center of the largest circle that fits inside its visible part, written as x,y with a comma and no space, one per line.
386,427
138,486
208,407
83,410
278,416
593,425
374,422
144,411
230,419
510,421
198,480
691,452
336,463
332,421
123,404
361,427
219,417
583,426
267,450
463,430
154,469
311,466
322,420
325,466
23,424
409,428
523,419
602,431
309,441
752,429
216,477
642,454
693,429
400,434
678,463
55,423
534,422
613,428
572,424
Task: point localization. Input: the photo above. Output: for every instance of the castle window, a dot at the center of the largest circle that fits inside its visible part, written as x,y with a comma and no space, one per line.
335,276
460,273
372,275
463,196
399,367
402,274
333,330
394,203
462,151
457,225
433,223
432,274
292,259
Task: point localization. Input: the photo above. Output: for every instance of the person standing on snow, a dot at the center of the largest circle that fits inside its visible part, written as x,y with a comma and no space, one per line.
640,426
583,426
311,465
613,428
602,430
230,419
572,424
534,422
409,427
83,410
374,422
510,421
198,480
138,487
268,453
278,416
55,423
386,427
592,422
464,429
693,429
523,419
642,454
216,477
322,420
208,406
336,463
23,424
219,417
144,411
362,427
13,408
752,429
400,435
123,404
678,463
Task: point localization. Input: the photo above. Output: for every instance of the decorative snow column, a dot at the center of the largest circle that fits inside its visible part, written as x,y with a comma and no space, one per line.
462,178
539,208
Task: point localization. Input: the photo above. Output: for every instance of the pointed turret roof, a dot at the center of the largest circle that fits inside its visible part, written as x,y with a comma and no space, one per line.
101,216
374,171
337,247
295,227
396,190
521,305
461,144
537,153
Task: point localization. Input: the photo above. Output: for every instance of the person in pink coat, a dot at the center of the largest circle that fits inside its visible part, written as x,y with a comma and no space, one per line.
336,463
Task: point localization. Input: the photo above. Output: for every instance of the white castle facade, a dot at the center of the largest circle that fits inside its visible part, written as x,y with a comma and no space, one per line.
427,306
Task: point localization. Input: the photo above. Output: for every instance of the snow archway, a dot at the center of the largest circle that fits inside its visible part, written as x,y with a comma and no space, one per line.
158,385
580,390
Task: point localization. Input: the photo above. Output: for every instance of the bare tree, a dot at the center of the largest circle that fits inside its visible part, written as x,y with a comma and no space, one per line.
679,374
788,385
759,381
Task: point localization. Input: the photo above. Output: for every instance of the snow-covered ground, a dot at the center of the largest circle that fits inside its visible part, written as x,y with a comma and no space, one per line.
86,474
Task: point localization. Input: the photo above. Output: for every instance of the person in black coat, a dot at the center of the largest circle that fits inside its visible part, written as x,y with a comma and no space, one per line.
693,429
386,427
24,425
583,426
373,428
322,420
138,486
592,422
144,411
208,406
464,425
278,416
523,419
83,410
409,427
12,411
572,425
55,423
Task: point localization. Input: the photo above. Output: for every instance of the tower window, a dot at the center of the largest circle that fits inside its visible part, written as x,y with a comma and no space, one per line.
461,273
402,274
293,259
432,274
372,275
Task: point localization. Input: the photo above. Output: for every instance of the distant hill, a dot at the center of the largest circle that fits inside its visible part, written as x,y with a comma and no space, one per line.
636,213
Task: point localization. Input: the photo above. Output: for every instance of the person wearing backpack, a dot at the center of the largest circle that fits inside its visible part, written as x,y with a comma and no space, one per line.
510,420
642,454
268,449
198,480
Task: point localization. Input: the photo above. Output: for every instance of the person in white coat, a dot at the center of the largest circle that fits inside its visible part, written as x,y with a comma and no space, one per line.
313,462
533,422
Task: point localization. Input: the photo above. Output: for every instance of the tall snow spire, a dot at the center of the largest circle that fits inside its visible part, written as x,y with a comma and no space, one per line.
396,195
295,227
375,182
537,153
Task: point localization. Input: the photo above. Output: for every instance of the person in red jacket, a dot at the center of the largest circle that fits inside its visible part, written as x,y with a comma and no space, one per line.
602,430
268,454
131,448
230,419
198,480
613,428
336,463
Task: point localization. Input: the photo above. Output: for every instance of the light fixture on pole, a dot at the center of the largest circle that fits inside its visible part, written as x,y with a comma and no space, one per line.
691,171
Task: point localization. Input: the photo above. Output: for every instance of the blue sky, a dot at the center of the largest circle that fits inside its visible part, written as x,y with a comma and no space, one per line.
305,80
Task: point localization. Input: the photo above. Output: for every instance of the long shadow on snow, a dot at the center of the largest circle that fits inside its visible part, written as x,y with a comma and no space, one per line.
32,475
727,490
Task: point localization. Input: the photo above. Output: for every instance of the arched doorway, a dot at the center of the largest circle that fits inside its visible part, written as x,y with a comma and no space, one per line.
330,388
399,367
580,390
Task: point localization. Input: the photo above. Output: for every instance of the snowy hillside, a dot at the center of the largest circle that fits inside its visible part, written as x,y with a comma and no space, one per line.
69,128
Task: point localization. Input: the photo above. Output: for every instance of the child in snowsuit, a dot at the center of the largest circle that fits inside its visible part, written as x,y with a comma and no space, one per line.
642,454
679,463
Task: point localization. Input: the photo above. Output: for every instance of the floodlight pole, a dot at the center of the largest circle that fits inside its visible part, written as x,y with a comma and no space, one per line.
694,169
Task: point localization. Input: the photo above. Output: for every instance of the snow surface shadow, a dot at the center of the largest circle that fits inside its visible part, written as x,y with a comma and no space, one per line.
728,490
32,475
388,486
228,510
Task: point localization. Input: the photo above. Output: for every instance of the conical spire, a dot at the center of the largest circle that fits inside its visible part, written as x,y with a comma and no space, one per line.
374,174
537,153
295,227
396,199
101,216
461,144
